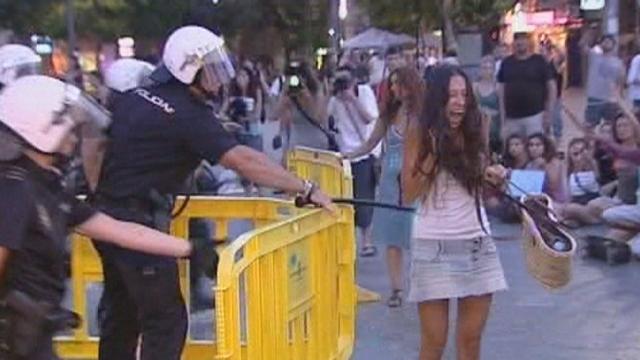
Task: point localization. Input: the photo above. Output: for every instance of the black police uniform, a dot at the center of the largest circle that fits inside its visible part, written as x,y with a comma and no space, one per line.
158,137
36,216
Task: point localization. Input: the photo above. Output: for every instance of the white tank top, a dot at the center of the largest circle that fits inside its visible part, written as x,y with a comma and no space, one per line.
449,213
583,182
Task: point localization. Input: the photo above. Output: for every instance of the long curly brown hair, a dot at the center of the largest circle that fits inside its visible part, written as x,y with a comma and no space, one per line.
460,156
409,79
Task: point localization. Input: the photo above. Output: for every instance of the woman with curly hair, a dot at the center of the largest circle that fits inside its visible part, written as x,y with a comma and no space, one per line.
452,253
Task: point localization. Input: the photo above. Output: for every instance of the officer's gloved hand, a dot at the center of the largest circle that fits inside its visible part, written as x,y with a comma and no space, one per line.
203,267
205,257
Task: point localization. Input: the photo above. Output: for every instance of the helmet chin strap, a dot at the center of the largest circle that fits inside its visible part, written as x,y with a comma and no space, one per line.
199,91
62,161
11,147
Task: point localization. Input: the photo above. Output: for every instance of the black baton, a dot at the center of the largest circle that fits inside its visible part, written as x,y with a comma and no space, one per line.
371,203
300,202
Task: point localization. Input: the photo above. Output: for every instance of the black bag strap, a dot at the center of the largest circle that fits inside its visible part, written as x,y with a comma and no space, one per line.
581,186
353,122
312,121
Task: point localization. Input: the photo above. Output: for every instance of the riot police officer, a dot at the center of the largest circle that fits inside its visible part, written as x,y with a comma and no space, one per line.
39,117
127,74
159,135
17,61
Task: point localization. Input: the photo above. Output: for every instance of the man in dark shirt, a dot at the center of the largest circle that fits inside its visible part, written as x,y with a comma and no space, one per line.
159,136
556,59
527,90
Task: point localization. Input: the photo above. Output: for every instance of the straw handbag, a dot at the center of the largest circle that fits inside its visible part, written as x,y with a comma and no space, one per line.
550,267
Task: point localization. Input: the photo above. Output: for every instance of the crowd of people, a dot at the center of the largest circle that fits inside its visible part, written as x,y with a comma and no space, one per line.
418,133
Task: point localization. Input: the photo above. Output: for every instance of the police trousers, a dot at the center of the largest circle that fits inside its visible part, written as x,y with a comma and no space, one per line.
44,352
34,344
141,301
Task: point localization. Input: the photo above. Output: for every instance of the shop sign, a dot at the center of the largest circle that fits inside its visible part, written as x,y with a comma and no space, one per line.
540,18
592,4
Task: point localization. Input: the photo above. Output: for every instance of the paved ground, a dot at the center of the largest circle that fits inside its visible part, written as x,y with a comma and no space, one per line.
595,318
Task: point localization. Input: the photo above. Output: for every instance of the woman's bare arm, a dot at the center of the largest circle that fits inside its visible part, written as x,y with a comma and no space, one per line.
4,260
377,135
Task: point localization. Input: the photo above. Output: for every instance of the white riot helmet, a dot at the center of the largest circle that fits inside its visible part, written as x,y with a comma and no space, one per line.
40,111
16,61
126,74
191,49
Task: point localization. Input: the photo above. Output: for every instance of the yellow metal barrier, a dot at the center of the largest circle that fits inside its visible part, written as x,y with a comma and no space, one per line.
333,175
86,266
325,168
286,291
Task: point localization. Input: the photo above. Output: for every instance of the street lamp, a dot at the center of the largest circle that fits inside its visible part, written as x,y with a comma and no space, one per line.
343,9
71,26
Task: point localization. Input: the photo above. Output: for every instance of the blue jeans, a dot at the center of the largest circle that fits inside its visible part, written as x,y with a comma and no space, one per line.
557,123
598,110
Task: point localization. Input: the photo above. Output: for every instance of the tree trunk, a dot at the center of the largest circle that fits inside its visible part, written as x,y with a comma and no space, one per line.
449,32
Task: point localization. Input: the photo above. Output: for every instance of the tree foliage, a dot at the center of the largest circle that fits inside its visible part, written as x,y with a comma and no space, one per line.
402,15
22,16
301,23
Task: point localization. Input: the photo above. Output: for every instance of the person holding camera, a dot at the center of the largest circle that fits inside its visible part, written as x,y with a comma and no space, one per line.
354,110
244,107
301,110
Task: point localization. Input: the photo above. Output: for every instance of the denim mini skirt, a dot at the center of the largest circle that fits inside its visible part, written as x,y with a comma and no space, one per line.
447,269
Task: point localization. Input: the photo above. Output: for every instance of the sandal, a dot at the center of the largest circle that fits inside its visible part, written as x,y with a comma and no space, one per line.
368,251
395,300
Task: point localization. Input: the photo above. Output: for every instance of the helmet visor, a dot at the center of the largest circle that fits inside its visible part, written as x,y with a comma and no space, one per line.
28,69
217,67
85,112
14,72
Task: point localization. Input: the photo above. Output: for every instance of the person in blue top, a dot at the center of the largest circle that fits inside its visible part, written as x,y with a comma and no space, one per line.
402,106
158,137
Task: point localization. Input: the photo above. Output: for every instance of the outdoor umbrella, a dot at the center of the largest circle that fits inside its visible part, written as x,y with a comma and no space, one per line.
377,38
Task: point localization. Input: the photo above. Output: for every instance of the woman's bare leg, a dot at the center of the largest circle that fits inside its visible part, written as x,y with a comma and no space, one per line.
473,312
434,327
395,267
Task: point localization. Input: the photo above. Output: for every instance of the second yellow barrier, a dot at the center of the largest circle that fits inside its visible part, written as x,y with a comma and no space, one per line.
287,291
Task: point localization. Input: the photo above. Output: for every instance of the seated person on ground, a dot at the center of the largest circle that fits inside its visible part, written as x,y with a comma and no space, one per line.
625,131
582,172
543,156
624,223
515,157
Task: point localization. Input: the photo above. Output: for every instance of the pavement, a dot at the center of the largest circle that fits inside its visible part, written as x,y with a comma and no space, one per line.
595,317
